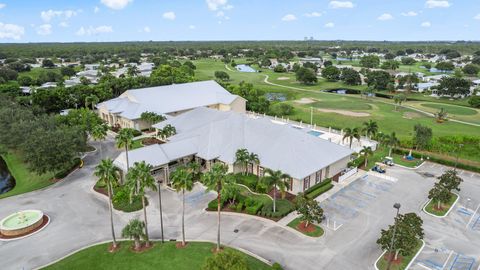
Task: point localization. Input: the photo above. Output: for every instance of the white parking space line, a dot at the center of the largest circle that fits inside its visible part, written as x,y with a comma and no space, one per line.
449,255
473,216
424,266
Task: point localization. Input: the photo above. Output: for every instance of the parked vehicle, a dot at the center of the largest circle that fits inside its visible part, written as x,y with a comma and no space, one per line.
388,161
379,167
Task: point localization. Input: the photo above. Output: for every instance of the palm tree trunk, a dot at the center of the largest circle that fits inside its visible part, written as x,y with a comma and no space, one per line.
390,152
351,141
147,243
160,208
126,154
366,161
109,187
183,218
137,243
274,196
218,209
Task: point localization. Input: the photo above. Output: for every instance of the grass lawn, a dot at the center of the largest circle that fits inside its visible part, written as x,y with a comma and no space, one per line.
162,256
382,152
137,144
452,109
26,180
34,73
316,233
383,262
432,206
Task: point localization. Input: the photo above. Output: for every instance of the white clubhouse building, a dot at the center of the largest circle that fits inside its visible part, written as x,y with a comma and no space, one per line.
208,135
169,100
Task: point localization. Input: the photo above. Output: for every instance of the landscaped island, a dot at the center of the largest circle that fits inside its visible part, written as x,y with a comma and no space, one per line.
161,256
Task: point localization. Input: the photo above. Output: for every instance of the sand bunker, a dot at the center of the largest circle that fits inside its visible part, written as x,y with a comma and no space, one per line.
305,101
283,78
347,113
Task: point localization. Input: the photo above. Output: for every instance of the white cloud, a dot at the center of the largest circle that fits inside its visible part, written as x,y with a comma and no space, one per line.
94,30
385,17
44,29
409,14
218,4
11,31
170,15
147,29
192,27
2,5
116,4
340,4
64,14
289,18
477,17
426,24
329,25
96,9
437,4
63,24
313,14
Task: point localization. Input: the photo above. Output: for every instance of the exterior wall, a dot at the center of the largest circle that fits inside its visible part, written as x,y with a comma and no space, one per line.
239,105
338,166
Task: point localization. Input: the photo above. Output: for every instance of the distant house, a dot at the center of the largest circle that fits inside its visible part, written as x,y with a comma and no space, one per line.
47,85
211,136
92,66
168,100
314,60
422,87
91,74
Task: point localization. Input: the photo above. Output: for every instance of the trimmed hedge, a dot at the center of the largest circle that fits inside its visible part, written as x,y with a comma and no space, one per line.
283,208
319,188
358,162
121,201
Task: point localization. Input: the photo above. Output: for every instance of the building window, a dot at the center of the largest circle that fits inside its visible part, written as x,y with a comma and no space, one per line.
327,171
306,183
260,171
318,177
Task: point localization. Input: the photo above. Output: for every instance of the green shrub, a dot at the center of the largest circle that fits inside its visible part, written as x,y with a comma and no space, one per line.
239,207
359,161
136,133
319,188
63,173
277,266
253,209
121,201
283,207
261,187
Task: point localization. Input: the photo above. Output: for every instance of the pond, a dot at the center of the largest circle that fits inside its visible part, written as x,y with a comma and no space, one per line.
7,182
245,68
276,96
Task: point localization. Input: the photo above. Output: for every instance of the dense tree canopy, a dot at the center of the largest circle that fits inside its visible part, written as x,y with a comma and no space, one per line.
379,80
370,61
452,86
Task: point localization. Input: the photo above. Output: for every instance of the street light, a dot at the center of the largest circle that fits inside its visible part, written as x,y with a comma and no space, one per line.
458,152
390,259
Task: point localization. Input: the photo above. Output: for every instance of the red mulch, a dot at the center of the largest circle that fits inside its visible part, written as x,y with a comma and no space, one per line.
435,207
288,196
310,228
44,223
111,249
101,190
398,261
180,245
150,141
143,248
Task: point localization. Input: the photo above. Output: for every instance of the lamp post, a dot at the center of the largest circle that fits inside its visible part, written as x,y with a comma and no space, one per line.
160,206
390,258
456,159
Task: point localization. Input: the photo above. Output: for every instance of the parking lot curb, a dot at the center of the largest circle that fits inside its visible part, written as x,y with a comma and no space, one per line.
409,264
446,214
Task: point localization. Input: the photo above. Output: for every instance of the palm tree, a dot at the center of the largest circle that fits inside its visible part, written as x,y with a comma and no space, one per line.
276,179
182,180
254,159
392,141
366,151
125,139
108,173
441,115
399,99
134,230
370,128
167,131
140,179
351,133
99,133
91,100
133,71
216,179
241,157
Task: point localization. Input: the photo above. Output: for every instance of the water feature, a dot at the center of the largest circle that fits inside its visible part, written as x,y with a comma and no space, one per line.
276,96
21,222
7,182
245,68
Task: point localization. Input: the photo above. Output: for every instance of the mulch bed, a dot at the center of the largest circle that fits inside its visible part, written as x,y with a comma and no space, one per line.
288,196
309,229
101,190
44,223
111,249
143,248
150,141
180,245
398,261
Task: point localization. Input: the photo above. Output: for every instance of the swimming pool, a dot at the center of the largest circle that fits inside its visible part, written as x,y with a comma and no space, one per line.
245,68
315,133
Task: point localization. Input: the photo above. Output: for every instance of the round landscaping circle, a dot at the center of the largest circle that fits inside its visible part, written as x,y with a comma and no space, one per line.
45,222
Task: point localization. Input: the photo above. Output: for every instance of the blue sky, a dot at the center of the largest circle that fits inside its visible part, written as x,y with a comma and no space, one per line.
120,20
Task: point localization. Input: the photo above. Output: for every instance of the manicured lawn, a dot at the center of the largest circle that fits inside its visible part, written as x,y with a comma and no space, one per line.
432,206
137,144
26,180
342,104
297,222
451,109
34,73
383,262
162,256
382,152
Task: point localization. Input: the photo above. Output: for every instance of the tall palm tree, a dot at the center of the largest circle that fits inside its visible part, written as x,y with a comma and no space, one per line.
392,141
254,159
216,179
276,179
99,133
139,180
91,100
241,157
124,138
108,173
182,180
370,128
366,151
351,133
